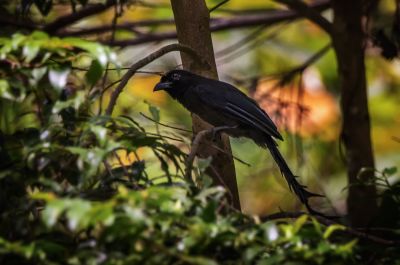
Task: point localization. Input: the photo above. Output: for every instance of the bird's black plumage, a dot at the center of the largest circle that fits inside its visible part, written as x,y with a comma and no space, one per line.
222,104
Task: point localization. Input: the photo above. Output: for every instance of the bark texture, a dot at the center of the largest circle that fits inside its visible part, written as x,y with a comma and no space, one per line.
348,40
192,24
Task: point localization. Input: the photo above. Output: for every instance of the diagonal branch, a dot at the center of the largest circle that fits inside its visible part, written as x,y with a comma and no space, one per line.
217,6
307,11
289,75
145,61
69,19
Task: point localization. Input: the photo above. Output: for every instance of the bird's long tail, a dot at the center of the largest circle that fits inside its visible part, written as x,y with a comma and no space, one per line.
294,185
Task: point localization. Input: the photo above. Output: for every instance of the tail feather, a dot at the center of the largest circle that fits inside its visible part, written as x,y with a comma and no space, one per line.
294,185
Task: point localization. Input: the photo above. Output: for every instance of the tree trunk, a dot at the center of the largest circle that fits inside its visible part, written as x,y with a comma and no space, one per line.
192,25
349,43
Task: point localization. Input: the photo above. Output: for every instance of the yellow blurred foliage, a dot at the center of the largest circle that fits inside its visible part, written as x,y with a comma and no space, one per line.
125,158
142,87
132,13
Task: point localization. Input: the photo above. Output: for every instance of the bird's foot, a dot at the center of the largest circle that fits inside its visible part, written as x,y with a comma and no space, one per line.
218,130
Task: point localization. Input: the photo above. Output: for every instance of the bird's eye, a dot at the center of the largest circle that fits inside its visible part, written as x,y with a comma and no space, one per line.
176,76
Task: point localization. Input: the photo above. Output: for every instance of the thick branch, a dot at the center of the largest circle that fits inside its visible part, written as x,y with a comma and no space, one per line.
123,26
145,61
216,24
308,12
349,44
192,22
6,20
69,19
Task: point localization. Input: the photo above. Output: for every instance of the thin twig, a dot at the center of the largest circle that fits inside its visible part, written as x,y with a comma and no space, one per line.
396,139
165,125
289,74
189,131
121,68
221,180
257,41
250,37
308,12
123,26
145,61
69,19
165,136
231,155
193,151
328,222
104,80
196,144
218,5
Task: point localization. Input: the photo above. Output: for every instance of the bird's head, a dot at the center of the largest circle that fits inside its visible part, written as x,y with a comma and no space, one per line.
175,82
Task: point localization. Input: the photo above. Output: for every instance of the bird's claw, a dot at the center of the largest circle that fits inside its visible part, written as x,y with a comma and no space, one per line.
214,133
218,130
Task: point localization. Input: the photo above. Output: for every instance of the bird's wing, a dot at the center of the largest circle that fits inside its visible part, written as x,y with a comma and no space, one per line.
238,105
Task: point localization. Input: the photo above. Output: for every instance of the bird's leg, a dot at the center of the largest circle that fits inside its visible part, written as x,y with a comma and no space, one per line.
221,129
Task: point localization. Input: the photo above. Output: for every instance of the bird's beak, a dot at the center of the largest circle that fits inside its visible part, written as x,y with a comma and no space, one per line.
162,86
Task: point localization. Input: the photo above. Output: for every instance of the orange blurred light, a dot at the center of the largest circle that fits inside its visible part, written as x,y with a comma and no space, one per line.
309,110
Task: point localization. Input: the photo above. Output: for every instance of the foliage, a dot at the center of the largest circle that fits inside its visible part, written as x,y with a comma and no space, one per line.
168,226
69,195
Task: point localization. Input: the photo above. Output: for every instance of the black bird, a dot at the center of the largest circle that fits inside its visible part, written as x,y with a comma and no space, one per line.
224,106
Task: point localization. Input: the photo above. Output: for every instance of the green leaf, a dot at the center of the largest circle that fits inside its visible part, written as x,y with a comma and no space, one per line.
389,171
39,35
299,223
16,40
58,77
94,73
100,132
209,212
37,75
30,50
75,102
5,90
331,229
101,53
155,112
198,260
203,163
77,214
53,210
348,247
102,213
